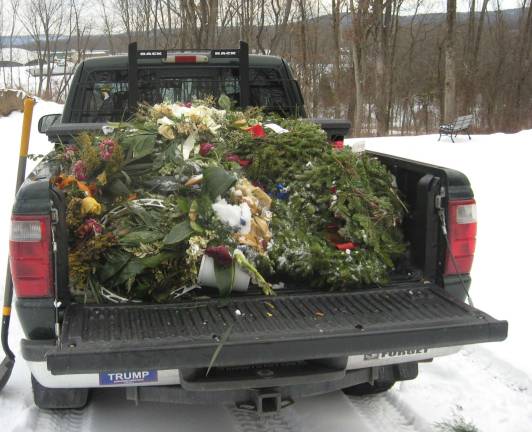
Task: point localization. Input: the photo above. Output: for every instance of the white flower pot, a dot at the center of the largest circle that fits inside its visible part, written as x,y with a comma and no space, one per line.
206,275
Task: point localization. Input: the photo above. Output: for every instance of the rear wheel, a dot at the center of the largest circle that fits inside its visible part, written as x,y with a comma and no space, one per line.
378,386
58,398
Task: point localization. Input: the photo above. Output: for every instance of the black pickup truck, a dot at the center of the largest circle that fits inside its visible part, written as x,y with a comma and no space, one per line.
365,341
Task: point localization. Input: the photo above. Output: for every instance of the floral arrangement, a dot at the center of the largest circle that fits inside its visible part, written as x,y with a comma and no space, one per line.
184,194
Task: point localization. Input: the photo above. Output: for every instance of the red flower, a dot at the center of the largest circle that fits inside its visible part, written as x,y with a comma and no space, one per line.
205,149
338,144
235,158
90,226
232,158
346,246
220,255
257,131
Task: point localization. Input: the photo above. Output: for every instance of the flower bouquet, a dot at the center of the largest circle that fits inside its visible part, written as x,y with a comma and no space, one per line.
189,200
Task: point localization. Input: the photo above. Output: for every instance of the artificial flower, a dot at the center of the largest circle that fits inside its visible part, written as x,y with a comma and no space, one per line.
63,181
166,128
220,255
79,170
107,147
90,206
70,151
257,131
90,226
205,149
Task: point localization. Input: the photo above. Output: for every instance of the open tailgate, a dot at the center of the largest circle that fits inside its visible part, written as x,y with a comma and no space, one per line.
282,328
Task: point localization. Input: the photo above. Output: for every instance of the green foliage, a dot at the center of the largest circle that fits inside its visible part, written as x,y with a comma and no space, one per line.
352,193
178,233
278,158
225,278
139,145
457,424
216,181
147,251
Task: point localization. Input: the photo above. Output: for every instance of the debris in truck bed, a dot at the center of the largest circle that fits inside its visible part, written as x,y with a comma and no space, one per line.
189,195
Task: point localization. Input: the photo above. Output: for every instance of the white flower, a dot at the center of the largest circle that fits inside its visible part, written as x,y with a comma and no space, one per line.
165,121
180,110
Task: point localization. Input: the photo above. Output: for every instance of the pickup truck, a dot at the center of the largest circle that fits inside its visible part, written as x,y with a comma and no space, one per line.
365,341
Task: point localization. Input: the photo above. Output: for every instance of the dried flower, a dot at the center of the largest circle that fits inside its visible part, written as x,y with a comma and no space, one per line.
70,151
90,206
107,147
220,255
205,149
90,226
63,181
79,170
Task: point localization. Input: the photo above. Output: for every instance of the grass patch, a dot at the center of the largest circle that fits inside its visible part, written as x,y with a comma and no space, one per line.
457,424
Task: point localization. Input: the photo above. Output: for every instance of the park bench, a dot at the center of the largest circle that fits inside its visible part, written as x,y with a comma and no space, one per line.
461,124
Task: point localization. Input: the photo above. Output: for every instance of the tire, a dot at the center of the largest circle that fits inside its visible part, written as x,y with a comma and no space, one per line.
52,398
378,386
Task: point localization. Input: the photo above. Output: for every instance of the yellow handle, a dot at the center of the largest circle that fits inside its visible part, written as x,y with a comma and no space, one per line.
29,103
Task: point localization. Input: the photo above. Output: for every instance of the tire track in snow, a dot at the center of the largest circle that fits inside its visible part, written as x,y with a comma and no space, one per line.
246,421
387,413
51,420
499,369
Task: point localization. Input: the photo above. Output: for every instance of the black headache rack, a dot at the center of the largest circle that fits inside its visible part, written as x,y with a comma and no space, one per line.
283,328
241,54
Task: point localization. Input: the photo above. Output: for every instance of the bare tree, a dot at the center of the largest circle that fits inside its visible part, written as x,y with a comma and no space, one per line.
450,64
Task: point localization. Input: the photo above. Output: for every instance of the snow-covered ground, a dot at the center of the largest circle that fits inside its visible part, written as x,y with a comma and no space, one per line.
490,385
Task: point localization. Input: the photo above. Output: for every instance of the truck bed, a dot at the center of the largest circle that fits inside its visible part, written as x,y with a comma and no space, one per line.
282,328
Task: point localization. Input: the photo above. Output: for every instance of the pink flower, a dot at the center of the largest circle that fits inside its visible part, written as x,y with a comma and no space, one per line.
107,147
257,131
205,149
70,151
188,104
79,170
220,254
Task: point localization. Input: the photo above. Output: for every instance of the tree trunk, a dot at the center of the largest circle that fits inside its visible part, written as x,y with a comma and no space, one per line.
381,83
336,6
450,64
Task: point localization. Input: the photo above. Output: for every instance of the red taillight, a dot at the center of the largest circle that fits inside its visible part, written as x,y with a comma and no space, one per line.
462,228
186,58
30,256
